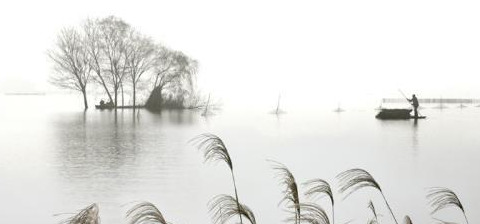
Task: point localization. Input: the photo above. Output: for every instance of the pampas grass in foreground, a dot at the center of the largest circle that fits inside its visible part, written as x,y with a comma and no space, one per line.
290,192
145,213
214,150
88,215
224,207
318,188
355,179
407,220
312,214
440,198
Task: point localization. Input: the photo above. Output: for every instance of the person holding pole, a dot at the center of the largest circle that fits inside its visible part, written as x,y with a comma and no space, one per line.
414,102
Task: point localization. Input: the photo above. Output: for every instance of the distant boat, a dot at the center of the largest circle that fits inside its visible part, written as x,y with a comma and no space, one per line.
339,109
397,114
104,107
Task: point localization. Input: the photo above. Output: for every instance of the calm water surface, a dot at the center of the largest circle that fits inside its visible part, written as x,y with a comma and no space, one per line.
55,158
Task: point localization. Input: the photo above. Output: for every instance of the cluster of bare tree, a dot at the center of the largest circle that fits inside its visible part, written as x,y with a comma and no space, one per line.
110,53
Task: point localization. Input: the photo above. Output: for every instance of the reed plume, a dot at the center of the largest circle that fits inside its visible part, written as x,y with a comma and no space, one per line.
356,179
440,198
145,212
318,188
214,150
287,180
224,207
407,220
312,214
88,215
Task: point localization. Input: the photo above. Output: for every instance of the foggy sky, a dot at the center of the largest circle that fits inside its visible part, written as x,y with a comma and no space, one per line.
250,51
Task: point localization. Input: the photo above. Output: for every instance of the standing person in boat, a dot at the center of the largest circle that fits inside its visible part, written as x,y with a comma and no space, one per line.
414,102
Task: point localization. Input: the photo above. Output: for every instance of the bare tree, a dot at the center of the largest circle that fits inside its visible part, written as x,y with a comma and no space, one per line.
173,71
71,62
140,51
93,47
110,52
113,37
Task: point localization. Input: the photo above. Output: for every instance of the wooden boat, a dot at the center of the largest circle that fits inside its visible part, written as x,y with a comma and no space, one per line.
104,107
397,114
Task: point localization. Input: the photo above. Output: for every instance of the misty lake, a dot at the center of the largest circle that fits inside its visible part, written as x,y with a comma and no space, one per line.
57,159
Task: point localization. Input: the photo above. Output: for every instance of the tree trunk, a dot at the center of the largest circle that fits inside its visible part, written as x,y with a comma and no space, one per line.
116,94
109,95
85,103
105,86
123,101
134,94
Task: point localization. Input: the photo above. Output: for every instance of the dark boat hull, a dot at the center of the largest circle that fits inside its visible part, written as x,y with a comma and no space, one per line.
397,114
103,107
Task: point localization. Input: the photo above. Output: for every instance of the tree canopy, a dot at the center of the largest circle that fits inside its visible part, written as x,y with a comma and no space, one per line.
113,55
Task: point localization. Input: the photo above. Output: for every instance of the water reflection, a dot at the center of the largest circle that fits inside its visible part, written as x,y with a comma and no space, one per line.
102,143
88,149
113,158
404,130
103,154
175,117
415,137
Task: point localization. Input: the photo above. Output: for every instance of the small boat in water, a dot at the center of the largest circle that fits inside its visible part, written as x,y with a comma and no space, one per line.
104,107
397,114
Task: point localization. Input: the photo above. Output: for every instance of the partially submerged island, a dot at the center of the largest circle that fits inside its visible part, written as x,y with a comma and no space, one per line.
110,54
